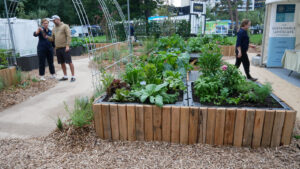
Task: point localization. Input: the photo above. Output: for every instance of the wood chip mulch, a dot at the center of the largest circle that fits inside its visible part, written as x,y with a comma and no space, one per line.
80,148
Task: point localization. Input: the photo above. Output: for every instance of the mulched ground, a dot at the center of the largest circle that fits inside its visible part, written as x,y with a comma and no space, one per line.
80,148
17,94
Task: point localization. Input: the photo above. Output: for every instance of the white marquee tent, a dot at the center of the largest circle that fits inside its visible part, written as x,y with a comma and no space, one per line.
282,30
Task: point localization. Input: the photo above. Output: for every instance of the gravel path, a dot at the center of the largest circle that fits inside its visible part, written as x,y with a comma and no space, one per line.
79,148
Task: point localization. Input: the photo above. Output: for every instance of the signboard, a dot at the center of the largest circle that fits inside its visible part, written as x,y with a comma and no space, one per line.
198,7
282,32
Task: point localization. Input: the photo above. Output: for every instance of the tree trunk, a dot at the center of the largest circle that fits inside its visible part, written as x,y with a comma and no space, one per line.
230,13
236,15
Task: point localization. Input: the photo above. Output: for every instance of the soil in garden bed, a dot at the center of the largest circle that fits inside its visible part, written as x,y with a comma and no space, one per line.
270,102
179,99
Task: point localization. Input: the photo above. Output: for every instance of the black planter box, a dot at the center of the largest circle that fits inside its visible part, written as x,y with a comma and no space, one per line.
28,63
77,51
184,102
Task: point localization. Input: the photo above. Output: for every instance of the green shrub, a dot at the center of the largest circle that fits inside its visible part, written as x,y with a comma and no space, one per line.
59,124
173,43
82,113
133,75
174,80
195,44
210,60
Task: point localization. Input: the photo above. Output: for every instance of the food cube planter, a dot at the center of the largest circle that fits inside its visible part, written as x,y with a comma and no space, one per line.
8,75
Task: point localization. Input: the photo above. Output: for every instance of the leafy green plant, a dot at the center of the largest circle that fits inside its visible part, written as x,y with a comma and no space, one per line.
156,94
152,77
18,77
297,137
35,80
210,60
133,75
207,88
195,44
174,80
257,93
116,84
106,80
122,95
82,113
173,43
59,124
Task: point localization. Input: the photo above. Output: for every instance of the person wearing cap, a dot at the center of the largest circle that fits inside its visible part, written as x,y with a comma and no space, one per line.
44,49
61,37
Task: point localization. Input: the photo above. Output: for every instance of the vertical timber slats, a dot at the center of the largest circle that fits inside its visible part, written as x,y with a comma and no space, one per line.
106,121
139,119
123,122
229,126
239,127
258,128
248,130
131,122
184,125
98,120
219,128
210,126
115,134
277,128
157,126
289,122
268,127
148,122
166,124
193,125
175,125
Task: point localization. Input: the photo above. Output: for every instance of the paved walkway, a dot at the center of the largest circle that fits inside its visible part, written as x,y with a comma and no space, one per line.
285,90
37,115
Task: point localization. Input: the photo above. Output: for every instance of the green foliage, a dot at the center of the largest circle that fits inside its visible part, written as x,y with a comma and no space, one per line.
297,137
183,28
156,94
82,114
174,80
59,124
106,80
210,60
228,85
76,42
173,43
151,74
133,75
4,54
195,44
35,80
122,95
116,84
255,39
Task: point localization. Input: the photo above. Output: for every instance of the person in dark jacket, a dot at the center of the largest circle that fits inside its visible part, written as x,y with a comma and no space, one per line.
45,49
132,37
242,45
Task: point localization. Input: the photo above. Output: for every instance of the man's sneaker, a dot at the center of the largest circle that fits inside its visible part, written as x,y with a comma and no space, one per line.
252,79
42,78
63,79
73,79
53,76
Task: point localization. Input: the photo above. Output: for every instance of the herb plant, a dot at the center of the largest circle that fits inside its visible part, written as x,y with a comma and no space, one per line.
122,95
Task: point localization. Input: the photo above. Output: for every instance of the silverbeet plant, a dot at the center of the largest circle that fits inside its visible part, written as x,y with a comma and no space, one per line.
156,94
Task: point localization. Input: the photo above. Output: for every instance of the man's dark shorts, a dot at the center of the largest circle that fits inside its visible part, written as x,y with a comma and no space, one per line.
63,56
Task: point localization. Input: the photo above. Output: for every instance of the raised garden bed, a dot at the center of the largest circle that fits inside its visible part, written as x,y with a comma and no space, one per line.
8,75
227,50
77,51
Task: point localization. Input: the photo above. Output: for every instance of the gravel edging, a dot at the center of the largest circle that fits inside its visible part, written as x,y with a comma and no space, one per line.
80,148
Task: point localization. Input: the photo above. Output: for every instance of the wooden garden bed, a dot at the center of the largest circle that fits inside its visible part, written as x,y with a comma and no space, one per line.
190,125
8,75
228,50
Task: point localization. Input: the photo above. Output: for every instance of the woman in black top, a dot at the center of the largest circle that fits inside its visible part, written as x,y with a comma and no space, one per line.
45,49
242,45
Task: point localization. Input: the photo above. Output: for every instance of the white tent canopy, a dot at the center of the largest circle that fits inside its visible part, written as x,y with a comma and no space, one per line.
282,30
25,42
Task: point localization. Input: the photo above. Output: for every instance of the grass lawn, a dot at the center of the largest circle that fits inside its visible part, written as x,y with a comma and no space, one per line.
255,39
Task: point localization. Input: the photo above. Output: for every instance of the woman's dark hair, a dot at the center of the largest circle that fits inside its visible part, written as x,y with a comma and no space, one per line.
245,22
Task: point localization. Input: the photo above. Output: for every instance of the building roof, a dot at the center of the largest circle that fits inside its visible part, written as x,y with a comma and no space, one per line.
276,1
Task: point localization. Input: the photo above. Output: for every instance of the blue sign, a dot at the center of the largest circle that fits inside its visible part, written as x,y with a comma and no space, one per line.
277,47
